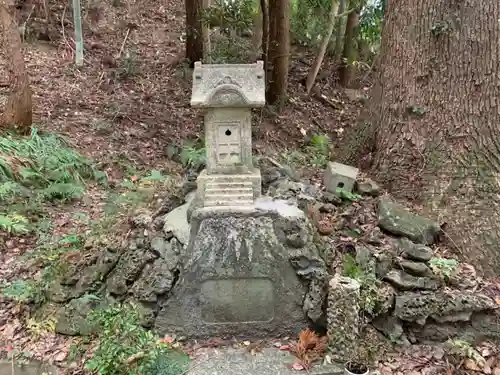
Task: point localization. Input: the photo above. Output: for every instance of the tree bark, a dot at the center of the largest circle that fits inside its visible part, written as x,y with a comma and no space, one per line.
194,31
346,68
279,13
18,112
265,34
437,133
257,35
340,30
313,71
207,44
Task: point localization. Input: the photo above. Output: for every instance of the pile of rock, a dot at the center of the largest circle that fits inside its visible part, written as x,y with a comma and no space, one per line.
410,300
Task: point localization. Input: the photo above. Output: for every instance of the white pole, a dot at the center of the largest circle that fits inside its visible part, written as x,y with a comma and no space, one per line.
77,20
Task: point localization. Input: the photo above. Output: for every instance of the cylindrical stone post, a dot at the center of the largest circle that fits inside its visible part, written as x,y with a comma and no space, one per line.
343,317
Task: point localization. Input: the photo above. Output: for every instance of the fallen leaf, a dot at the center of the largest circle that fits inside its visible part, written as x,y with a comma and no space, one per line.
297,366
277,344
284,347
133,178
471,365
246,343
61,356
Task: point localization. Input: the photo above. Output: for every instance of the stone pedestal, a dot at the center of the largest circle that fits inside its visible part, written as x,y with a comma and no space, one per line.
240,273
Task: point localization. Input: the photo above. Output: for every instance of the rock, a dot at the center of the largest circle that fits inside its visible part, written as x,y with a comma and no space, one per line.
246,273
142,219
176,222
415,268
389,325
73,318
156,280
375,237
368,187
386,298
332,198
128,269
383,265
327,208
463,277
414,251
269,175
403,281
397,220
441,306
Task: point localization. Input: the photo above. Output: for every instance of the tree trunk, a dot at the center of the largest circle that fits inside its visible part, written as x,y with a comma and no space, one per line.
265,34
340,30
279,13
207,44
346,69
313,71
257,35
18,112
194,31
437,138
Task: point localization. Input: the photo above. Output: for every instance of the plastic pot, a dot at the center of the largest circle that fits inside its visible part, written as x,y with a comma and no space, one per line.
352,368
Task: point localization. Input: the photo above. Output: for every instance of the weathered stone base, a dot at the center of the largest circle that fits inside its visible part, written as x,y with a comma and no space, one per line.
228,189
240,272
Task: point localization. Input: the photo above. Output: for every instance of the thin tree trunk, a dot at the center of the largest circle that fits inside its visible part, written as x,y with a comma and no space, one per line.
340,30
438,100
280,47
207,45
257,35
194,32
313,71
18,112
346,69
265,34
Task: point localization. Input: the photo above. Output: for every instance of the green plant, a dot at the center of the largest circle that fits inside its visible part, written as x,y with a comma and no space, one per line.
125,347
14,224
347,195
370,25
369,283
443,267
128,65
22,291
319,149
193,154
461,350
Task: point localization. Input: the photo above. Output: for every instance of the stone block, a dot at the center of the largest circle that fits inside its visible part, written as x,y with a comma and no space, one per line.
229,190
239,276
339,176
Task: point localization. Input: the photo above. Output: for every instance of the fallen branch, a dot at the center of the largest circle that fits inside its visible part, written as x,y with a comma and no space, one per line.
123,44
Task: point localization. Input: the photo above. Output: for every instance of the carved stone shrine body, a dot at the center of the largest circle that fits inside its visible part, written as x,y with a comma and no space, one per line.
228,93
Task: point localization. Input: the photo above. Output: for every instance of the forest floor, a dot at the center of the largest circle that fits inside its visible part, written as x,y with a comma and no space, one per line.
126,109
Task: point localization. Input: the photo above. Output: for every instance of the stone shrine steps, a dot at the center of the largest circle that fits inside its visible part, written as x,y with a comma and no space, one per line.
229,193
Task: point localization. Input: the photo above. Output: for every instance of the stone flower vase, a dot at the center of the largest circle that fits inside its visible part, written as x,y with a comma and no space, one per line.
353,368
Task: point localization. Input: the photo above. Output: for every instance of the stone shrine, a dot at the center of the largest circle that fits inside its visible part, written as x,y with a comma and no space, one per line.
228,93
250,267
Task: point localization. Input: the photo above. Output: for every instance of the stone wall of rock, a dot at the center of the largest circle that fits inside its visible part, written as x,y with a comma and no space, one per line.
404,295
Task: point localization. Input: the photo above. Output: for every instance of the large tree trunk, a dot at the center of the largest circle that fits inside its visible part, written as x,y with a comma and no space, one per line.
279,51
438,133
194,31
18,112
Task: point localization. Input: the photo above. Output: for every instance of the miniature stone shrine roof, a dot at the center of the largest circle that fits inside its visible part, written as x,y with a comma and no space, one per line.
228,85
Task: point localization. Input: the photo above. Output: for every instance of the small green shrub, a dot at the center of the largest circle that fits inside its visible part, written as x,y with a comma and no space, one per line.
14,224
193,154
125,347
443,267
22,291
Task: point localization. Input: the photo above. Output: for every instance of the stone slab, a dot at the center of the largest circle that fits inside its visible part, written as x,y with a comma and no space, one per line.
270,361
228,85
176,221
32,368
